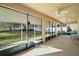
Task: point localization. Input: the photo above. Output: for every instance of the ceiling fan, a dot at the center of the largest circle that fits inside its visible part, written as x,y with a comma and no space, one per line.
63,9
61,12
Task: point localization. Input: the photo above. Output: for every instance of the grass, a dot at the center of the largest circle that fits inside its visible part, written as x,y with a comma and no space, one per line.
7,34
15,37
9,41
9,38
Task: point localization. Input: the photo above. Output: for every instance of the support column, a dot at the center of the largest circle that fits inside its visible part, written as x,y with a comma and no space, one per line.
43,28
34,28
56,29
61,28
21,32
27,29
78,25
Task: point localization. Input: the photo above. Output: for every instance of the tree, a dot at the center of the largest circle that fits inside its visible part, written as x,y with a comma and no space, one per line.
69,29
13,26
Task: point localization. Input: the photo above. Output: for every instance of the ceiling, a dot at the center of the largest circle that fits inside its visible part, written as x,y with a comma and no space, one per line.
64,12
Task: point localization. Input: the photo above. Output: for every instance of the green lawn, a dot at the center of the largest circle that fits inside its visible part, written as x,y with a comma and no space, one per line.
16,37
9,41
9,38
6,34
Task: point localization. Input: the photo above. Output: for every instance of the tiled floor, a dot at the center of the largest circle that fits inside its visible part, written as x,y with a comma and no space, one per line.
69,46
41,50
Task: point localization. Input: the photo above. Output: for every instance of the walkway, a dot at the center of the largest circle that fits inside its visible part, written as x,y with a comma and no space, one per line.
68,45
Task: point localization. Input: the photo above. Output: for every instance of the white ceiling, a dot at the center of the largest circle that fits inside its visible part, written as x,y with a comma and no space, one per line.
69,10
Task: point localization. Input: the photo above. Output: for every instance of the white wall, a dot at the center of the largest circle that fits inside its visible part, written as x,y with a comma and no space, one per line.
74,26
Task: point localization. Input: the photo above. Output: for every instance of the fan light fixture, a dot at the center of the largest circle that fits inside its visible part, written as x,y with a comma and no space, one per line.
61,13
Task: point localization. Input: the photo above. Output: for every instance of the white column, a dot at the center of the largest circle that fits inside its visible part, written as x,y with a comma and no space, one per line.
78,25
55,29
21,32
43,28
26,33
58,29
27,29
34,27
61,28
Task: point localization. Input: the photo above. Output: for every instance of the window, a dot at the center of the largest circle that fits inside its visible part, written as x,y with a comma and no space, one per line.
34,28
12,27
54,29
60,29
64,28
31,23
9,33
38,27
47,27
51,28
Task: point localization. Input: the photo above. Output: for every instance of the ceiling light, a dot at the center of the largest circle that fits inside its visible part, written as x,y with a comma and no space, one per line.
64,12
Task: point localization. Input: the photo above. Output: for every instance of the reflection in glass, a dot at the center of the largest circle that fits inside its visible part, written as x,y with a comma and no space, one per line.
51,27
9,33
47,27
30,27
34,27
54,29
38,27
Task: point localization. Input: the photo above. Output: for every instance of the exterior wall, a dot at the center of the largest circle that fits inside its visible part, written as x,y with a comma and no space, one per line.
74,27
